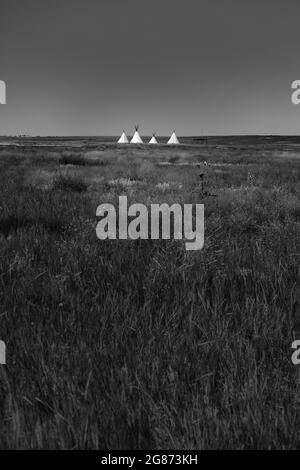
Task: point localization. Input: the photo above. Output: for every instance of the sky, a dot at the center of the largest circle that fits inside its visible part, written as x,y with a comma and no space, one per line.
202,67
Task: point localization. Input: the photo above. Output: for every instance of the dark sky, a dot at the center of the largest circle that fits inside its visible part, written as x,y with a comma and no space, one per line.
94,67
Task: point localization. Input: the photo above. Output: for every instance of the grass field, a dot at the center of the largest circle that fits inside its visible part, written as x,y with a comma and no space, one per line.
141,344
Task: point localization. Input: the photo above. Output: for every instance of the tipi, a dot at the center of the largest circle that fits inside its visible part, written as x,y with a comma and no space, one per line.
136,139
153,139
123,139
173,139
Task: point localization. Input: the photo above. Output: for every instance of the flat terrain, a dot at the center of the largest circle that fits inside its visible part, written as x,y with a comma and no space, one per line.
141,344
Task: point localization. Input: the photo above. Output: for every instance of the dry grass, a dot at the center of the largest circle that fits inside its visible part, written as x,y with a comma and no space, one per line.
126,345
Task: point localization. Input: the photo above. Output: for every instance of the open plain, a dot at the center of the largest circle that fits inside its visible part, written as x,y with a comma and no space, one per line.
141,344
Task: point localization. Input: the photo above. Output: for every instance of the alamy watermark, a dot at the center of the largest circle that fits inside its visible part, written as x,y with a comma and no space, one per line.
166,222
2,353
2,92
296,353
295,97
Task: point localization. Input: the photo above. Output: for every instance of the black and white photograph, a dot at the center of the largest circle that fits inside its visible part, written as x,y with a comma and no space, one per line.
149,228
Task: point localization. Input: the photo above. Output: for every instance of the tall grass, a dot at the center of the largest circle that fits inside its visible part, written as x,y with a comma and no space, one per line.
140,344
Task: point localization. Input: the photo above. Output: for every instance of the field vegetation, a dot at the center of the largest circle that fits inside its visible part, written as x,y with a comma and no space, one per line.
141,344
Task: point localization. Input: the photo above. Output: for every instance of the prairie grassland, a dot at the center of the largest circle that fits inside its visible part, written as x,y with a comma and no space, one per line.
140,344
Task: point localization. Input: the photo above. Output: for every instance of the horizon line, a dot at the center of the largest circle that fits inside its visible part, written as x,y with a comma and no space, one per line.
145,135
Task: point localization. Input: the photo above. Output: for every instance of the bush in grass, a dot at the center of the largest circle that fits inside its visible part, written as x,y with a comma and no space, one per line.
72,160
69,183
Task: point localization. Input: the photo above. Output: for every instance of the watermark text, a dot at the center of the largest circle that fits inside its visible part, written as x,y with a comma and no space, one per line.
296,94
296,353
162,222
2,92
2,353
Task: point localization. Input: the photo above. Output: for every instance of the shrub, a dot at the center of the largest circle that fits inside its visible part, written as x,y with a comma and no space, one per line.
72,160
69,183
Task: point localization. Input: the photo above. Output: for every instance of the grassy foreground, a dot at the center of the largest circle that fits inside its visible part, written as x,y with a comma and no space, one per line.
141,344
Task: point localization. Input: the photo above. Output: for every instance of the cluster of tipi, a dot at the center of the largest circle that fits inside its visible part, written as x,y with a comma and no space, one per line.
136,139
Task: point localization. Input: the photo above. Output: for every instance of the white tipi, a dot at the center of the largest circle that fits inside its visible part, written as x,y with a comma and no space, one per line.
153,139
123,139
136,139
173,139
